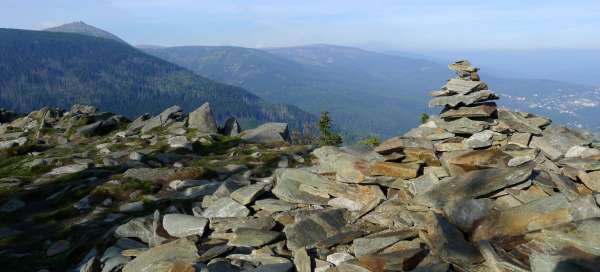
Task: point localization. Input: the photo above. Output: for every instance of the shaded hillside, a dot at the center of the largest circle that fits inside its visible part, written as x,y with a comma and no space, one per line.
40,68
360,105
361,89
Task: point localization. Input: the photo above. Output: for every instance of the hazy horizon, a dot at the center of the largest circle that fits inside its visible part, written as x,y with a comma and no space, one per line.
405,25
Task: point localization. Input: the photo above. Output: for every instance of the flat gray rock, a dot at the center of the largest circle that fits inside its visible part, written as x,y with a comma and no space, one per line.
314,228
518,122
268,133
163,119
182,225
464,126
466,99
473,184
253,237
225,207
182,251
247,194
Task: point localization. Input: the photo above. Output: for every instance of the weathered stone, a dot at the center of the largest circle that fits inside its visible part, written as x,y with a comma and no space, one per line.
253,237
462,66
315,228
449,243
180,142
520,139
163,119
288,184
464,126
518,122
377,242
140,228
463,99
397,144
347,167
207,188
474,111
202,119
67,169
302,261
273,205
518,161
473,184
562,138
465,213
394,261
391,169
582,152
591,180
342,202
247,194
451,144
460,86
225,224
546,147
132,207
479,140
422,155
338,258
181,251
225,207
12,143
539,214
214,252
231,127
477,159
181,225
149,174
582,164
264,263
102,127
267,134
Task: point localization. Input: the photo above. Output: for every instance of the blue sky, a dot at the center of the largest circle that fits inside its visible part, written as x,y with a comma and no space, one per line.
399,24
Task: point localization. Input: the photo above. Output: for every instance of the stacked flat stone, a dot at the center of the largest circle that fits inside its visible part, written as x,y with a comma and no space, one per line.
466,100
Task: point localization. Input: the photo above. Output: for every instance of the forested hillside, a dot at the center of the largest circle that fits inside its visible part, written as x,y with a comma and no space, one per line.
363,90
40,68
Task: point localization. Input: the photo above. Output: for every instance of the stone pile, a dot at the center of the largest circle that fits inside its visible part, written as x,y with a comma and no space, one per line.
476,189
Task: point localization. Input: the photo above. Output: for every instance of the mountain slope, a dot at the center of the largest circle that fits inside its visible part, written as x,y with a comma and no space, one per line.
315,88
39,68
85,29
361,89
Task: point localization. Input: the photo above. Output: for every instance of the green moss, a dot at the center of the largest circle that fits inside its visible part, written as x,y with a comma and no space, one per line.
66,212
131,184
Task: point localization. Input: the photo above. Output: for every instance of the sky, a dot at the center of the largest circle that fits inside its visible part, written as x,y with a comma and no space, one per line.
398,24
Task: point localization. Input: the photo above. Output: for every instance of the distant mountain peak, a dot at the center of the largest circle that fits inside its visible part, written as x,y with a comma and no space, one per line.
80,27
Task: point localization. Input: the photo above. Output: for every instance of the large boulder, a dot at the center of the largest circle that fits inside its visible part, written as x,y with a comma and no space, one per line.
202,119
231,127
102,127
165,118
268,133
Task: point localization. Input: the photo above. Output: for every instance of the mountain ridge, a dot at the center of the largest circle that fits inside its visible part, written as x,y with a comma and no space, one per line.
61,69
80,27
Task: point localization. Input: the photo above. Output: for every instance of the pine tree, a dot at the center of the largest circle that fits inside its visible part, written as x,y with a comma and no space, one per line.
424,118
328,137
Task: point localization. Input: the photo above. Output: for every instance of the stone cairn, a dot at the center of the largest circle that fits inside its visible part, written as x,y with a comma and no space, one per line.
467,104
